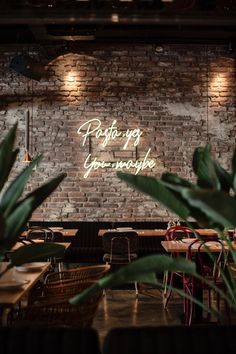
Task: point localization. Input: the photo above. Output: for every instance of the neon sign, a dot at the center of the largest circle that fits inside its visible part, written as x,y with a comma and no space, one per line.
130,137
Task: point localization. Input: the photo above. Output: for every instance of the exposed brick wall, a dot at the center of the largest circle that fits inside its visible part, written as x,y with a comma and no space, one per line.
177,98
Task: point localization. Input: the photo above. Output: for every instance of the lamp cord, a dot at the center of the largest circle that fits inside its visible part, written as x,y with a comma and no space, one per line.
207,94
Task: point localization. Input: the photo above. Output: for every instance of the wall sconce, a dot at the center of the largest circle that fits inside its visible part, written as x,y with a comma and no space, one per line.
27,158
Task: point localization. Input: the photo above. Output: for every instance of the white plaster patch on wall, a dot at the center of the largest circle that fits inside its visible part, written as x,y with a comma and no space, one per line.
68,208
218,128
186,109
14,115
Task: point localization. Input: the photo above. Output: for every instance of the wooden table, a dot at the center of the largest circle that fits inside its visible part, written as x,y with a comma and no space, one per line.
9,298
158,232
20,244
182,247
64,232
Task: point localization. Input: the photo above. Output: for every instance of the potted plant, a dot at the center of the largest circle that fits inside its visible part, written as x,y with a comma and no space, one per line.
211,201
16,209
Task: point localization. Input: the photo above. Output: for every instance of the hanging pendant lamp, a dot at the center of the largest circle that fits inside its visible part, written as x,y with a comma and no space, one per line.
27,158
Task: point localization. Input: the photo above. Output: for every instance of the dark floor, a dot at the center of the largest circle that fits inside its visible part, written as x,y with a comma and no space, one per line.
121,308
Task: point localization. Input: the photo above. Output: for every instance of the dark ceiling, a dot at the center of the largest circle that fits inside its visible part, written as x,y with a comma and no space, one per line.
177,21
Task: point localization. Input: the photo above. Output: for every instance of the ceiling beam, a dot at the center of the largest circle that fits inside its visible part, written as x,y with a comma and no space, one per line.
116,16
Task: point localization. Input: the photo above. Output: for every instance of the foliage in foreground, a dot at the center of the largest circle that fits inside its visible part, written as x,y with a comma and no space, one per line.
16,210
211,202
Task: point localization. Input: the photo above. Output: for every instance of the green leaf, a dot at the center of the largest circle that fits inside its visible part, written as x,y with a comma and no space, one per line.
196,213
16,188
18,218
2,226
36,252
157,190
157,263
176,180
217,205
2,231
7,156
234,163
147,278
203,166
85,294
142,269
234,170
40,194
15,223
223,176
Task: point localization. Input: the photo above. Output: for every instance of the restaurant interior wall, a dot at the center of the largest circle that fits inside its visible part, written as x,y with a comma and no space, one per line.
180,98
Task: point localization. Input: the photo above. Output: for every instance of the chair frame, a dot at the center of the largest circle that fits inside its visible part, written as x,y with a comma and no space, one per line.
54,309
212,273
128,248
44,230
84,273
173,233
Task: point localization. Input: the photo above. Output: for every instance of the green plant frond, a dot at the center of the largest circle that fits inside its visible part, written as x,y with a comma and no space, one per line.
230,277
101,284
219,207
16,221
171,178
214,287
234,184
15,190
40,194
233,163
157,263
143,269
7,155
234,171
157,190
14,213
226,239
85,294
203,166
196,301
36,252
195,212
2,226
15,224
224,177
228,284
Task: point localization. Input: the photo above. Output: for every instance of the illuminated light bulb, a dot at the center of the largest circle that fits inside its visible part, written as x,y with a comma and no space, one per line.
115,18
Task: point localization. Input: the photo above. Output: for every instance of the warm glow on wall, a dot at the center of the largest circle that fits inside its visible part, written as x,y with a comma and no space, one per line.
218,81
70,77
69,72
218,85
70,80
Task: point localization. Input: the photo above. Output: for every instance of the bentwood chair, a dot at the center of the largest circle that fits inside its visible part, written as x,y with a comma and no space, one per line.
120,248
53,307
40,233
174,233
210,266
55,279
47,235
84,273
